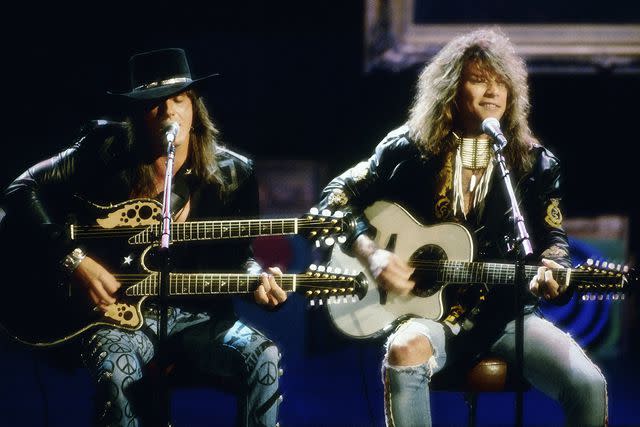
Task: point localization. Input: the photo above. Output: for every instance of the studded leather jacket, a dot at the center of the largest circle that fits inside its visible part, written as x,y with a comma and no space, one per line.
97,168
399,172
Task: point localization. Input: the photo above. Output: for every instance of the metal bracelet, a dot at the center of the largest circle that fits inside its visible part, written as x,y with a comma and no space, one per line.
72,260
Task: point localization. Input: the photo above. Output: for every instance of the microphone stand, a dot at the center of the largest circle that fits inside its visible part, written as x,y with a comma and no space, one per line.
163,291
520,247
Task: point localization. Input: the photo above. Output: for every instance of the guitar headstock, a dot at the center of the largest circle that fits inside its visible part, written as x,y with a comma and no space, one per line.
599,280
326,227
327,285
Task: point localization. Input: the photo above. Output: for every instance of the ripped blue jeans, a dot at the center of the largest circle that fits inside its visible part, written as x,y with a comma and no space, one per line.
553,363
227,350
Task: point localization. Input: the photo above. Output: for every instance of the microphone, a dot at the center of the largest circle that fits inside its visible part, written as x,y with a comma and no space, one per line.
491,126
170,131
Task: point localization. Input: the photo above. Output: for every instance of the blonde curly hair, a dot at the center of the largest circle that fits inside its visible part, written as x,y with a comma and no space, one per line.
432,114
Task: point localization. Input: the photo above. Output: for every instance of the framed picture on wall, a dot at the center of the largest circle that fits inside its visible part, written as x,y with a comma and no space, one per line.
552,36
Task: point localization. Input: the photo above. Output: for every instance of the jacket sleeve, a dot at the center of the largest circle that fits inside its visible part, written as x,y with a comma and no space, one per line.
249,205
35,200
546,219
246,196
242,197
366,182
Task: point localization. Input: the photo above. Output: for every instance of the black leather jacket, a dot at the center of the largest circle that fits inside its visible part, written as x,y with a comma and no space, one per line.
398,172
97,168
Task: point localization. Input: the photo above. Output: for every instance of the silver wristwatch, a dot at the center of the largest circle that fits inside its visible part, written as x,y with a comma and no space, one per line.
72,260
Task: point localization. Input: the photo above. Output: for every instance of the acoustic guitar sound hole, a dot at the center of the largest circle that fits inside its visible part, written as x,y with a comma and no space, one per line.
425,261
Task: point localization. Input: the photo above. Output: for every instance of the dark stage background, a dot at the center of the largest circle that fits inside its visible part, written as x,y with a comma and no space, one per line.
292,93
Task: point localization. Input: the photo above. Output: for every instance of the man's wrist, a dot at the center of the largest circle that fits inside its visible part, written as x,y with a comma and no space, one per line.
72,260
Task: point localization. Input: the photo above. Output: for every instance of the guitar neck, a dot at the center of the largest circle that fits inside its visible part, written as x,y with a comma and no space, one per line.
489,273
221,229
185,284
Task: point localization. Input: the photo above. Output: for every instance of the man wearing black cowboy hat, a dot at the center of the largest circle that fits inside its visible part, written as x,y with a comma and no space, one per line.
112,162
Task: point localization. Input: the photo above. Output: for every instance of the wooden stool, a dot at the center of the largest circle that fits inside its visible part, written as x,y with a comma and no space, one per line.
489,374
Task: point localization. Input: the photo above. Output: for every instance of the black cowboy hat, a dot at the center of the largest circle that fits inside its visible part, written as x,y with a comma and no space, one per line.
159,74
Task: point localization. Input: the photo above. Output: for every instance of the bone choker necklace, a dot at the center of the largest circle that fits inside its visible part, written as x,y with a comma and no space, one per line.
474,154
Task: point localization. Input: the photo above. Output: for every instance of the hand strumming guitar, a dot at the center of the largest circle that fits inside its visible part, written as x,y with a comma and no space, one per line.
392,273
97,281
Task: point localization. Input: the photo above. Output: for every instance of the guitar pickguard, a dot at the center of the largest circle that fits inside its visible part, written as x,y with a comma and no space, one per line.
131,214
124,315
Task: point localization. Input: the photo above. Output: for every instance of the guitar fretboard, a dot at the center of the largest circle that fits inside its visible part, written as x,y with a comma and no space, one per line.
207,284
490,273
213,230
185,284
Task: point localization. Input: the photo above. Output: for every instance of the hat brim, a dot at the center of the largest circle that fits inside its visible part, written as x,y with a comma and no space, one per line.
165,91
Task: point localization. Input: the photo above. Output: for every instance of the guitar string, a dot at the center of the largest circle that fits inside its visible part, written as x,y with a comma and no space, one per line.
300,281
252,223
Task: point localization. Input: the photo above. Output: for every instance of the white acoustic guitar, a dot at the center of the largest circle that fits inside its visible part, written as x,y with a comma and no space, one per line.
442,255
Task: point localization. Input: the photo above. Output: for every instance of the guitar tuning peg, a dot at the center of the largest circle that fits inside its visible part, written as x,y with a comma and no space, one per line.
321,268
326,212
329,241
313,267
597,263
337,270
312,302
338,214
329,269
618,267
625,269
342,239
318,243
313,211
605,264
590,262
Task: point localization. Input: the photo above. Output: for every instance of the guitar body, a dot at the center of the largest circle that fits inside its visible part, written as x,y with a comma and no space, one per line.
41,307
398,231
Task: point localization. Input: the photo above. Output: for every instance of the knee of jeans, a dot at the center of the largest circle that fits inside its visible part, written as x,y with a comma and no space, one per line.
267,365
589,385
409,349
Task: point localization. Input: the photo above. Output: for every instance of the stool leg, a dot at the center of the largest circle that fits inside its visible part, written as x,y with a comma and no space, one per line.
471,398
